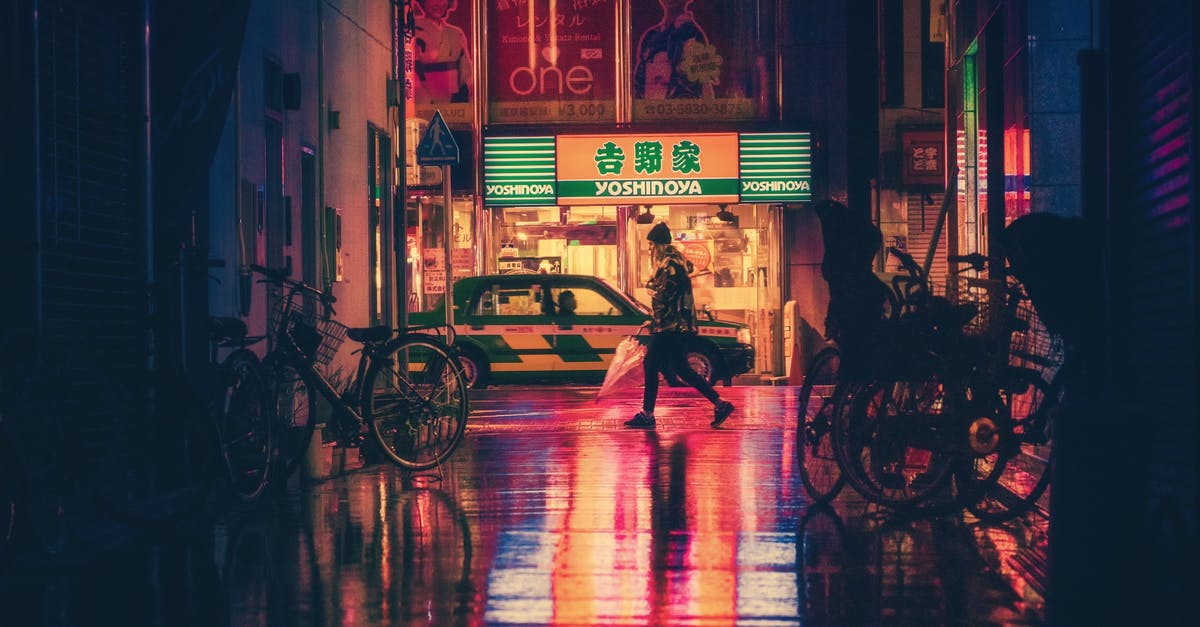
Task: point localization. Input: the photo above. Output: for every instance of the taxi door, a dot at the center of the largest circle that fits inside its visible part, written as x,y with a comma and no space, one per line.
508,318
589,327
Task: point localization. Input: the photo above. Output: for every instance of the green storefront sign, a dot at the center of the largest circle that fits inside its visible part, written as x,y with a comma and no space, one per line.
775,167
644,168
519,171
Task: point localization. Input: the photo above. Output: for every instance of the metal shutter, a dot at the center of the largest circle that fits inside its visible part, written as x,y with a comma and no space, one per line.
91,209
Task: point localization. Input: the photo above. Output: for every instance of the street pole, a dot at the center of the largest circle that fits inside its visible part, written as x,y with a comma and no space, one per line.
447,231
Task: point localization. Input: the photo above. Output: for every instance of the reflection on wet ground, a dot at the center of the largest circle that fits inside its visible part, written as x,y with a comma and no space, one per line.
551,513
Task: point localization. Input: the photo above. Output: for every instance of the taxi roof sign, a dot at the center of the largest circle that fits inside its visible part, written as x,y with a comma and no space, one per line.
437,145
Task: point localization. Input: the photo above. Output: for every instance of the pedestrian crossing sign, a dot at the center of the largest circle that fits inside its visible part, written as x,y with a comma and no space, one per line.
437,145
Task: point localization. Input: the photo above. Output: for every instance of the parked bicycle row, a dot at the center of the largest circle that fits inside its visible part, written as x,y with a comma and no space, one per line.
944,403
229,430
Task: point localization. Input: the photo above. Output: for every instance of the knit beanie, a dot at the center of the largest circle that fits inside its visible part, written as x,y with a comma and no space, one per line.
659,234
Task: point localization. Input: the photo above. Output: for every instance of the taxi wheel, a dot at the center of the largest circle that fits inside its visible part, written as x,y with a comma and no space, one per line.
475,368
703,362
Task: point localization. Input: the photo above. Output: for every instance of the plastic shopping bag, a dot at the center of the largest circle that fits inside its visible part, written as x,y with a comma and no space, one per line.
625,371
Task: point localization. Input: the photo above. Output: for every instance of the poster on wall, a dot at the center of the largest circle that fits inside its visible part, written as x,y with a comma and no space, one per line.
691,60
441,60
551,61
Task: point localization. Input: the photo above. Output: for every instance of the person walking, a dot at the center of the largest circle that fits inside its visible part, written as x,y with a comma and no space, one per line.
672,327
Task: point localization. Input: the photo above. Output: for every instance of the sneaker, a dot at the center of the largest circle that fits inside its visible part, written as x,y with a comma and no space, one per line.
721,412
642,419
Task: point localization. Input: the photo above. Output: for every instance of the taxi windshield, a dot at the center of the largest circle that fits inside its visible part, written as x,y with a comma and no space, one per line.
625,297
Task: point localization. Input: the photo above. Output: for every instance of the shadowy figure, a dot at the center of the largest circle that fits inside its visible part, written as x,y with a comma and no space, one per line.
566,303
673,326
856,295
1054,257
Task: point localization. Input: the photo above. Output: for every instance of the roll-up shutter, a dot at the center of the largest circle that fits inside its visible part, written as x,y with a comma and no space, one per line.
1154,258
91,210
923,208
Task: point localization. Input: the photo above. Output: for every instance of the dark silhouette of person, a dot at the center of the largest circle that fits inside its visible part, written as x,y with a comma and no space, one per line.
1054,258
856,295
672,327
566,303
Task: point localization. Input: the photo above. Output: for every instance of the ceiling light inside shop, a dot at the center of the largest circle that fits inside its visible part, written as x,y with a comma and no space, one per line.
725,215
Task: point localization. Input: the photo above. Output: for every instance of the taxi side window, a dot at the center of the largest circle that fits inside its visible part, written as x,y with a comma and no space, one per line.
516,301
589,302
485,305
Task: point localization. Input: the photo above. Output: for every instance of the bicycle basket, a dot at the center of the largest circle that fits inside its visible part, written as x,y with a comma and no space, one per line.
1033,345
986,295
317,338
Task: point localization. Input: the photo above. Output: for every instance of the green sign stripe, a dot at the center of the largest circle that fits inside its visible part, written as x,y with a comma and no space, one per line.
775,145
512,169
648,187
752,136
518,141
773,163
775,141
760,151
775,168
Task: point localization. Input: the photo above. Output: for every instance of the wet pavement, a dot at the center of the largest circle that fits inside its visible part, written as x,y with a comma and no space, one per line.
552,512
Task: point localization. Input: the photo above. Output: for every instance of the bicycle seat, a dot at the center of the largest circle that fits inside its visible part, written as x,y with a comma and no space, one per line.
222,328
367,335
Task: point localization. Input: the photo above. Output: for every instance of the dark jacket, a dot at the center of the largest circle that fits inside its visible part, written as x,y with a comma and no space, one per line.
672,303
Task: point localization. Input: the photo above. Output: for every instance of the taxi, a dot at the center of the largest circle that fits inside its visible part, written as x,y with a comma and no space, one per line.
533,328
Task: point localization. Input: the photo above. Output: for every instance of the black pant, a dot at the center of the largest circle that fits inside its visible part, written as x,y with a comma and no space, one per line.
669,348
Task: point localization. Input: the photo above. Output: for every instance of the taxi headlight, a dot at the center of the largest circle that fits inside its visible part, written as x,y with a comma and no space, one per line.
743,335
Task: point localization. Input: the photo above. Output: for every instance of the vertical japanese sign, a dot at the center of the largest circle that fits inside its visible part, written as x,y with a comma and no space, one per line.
700,59
442,63
551,61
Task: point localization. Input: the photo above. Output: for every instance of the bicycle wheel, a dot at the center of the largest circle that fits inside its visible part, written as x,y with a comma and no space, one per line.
819,469
886,439
295,411
1030,455
415,402
245,425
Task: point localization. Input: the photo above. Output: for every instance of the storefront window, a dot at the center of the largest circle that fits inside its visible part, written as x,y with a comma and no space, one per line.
735,265
569,240
426,255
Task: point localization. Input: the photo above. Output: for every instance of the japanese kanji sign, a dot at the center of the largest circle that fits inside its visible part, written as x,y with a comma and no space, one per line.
604,169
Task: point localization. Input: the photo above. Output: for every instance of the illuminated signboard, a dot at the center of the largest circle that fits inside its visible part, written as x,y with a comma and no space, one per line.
518,171
635,169
775,167
621,169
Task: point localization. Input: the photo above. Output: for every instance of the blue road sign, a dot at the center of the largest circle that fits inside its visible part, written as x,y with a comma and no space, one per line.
437,146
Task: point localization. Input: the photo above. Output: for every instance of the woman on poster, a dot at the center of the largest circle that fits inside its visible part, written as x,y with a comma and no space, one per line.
674,58
443,65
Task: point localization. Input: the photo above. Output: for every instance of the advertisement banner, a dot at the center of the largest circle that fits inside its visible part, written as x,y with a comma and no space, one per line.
441,60
700,60
647,168
551,61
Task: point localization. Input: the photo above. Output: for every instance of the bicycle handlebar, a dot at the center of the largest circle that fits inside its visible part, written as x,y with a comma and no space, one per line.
279,276
977,261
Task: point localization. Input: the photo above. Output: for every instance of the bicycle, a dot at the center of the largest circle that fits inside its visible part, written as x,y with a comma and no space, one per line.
408,390
819,469
945,418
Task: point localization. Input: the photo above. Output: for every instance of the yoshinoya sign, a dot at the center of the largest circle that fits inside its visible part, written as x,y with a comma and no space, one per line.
775,167
622,169
519,171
